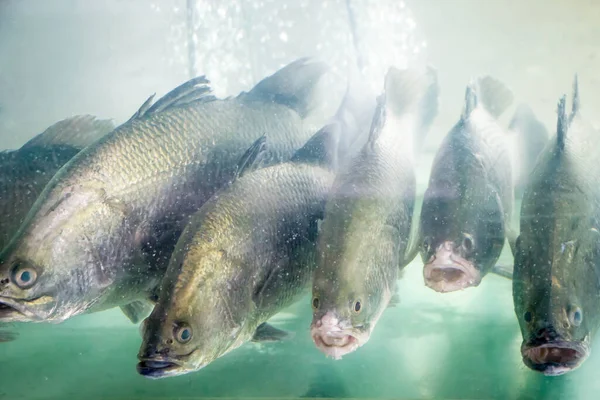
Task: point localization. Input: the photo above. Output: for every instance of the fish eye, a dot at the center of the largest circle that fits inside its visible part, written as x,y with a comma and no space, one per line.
315,303
183,333
527,316
576,316
467,242
357,306
24,276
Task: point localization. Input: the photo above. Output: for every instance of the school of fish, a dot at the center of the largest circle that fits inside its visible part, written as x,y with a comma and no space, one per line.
203,217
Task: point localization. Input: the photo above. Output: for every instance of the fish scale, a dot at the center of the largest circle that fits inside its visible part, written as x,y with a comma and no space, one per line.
134,189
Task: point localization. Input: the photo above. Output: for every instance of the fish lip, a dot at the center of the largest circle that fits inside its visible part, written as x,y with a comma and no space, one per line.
574,352
464,273
12,311
351,341
157,368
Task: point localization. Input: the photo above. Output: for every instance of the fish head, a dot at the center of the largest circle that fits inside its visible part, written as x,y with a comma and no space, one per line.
555,292
348,301
200,316
54,269
462,237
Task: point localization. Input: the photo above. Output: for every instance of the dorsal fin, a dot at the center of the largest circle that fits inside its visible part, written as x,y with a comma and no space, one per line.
576,100
196,89
322,148
470,101
562,123
78,132
251,159
293,85
378,121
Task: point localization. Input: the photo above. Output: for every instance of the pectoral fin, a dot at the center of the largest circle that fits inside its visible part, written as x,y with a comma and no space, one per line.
268,333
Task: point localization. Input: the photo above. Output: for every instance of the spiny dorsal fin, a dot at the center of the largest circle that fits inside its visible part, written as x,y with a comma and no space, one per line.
470,101
196,89
378,121
322,148
293,85
78,132
562,124
576,100
251,158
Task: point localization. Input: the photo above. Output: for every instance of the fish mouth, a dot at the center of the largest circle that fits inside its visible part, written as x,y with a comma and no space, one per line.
335,341
554,358
158,368
448,272
12,311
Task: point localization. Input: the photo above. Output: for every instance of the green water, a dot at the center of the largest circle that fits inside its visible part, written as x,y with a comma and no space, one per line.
454,345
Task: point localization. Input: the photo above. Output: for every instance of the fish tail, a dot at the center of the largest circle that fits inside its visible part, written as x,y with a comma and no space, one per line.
413,90
493,95
293,85
355,114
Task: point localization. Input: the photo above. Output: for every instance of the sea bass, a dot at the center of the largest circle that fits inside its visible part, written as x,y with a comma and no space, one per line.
556,285
25,172
468,204
101,233
365,235
248,253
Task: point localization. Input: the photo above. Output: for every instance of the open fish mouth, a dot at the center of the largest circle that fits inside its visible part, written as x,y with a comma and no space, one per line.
157,368
11,312
30,310
448,272
554,358
334,341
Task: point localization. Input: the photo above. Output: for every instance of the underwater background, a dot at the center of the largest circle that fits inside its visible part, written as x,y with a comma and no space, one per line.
66,57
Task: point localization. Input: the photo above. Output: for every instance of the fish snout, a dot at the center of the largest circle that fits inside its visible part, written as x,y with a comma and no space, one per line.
546,334
329,319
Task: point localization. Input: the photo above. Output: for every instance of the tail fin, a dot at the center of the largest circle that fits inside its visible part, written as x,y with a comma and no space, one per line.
78,132
529,137
354,115
493,95
293,85
412,90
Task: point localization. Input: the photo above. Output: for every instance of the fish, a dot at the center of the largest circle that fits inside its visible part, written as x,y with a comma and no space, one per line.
248,253
365,238
101,233
556,282
25,172
467,206
529,137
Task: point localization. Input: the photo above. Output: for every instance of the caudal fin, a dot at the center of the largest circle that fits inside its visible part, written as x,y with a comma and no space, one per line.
492,94
354,115
293,85
412,91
